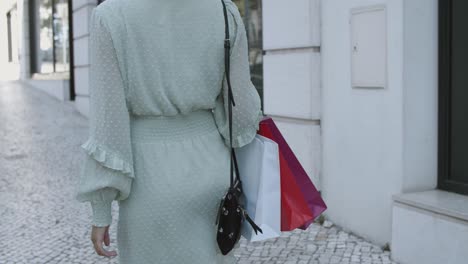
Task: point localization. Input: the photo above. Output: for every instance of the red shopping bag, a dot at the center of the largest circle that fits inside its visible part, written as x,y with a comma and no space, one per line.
301,203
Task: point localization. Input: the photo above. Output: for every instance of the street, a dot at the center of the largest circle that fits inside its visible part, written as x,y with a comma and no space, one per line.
40,222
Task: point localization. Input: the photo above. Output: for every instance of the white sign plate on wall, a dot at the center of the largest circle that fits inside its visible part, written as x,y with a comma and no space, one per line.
369,47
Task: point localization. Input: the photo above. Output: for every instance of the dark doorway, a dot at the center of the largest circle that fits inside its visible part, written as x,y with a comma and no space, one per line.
453,96
72,53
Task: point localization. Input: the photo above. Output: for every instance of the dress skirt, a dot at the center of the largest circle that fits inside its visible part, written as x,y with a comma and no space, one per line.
181,166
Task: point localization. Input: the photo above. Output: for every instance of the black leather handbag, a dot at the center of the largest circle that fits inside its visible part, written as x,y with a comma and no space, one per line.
231,211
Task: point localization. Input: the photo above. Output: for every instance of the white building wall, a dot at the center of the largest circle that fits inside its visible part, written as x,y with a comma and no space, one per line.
362,128
23,12
81,15
291,40
428,226
420,76
378,142
12,70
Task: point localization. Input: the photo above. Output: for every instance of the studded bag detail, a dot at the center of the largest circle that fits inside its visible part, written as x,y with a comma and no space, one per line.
231,212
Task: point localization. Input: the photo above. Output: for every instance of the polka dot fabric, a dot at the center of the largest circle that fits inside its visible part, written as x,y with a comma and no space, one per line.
159,119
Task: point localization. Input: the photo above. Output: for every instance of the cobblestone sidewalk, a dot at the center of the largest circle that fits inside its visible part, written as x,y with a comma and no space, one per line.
42,223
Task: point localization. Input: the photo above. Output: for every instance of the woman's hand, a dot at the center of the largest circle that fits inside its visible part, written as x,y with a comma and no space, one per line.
99,235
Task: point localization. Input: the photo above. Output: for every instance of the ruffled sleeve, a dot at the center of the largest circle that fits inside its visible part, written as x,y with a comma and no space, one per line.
247,113
107,168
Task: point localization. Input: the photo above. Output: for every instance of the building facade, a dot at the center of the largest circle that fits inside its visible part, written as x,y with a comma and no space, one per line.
368,93
394,126
37,44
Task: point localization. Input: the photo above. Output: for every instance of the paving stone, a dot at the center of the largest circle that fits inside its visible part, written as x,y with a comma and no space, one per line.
42,223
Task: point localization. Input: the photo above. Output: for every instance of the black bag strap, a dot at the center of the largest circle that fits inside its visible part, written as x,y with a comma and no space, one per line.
227,52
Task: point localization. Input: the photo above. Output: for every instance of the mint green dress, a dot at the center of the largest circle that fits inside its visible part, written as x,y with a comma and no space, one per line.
158,137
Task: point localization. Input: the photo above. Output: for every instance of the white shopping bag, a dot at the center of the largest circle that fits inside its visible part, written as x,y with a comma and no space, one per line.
259,171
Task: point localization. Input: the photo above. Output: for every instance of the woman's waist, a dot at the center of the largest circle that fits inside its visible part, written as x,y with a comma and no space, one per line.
165,127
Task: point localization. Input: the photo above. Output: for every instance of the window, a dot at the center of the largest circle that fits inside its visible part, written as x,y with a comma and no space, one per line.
60,38
453,110
251,11
50,42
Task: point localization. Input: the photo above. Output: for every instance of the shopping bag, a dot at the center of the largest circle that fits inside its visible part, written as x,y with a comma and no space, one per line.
301,203
259,172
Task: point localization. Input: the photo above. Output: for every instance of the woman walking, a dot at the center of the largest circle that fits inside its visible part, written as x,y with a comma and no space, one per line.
159,135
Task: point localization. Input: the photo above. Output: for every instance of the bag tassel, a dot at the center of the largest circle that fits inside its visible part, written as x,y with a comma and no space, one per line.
251,222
